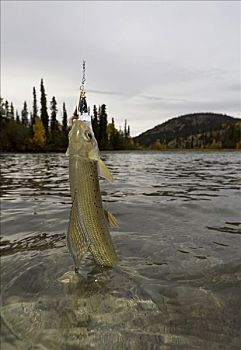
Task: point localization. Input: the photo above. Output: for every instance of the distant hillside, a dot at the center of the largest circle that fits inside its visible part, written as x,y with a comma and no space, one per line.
198,130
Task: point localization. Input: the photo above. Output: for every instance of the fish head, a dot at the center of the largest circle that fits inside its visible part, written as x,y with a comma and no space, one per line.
82,141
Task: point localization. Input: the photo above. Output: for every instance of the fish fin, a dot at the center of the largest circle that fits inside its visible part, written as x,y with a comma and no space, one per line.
104,171
68,277
67,152
77,240
113,222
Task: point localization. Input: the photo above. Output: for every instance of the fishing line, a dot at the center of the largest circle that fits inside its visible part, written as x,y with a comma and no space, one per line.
81,55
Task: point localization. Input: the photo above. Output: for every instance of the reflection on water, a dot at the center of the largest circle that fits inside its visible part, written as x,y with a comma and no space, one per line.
177,285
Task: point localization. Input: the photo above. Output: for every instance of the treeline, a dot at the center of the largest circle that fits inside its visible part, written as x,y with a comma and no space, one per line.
229,137
107,135
194,131
38,130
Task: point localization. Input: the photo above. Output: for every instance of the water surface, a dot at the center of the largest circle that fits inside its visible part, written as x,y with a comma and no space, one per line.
177,285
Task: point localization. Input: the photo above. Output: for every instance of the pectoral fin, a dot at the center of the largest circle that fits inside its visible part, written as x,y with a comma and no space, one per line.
68,277
104,171
77,237
111,219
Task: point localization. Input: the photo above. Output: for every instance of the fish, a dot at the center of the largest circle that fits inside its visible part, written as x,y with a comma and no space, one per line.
89,223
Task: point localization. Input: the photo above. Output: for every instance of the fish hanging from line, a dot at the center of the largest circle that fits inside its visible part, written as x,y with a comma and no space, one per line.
89,222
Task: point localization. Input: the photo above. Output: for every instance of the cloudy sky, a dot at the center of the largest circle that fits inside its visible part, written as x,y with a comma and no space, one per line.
148,61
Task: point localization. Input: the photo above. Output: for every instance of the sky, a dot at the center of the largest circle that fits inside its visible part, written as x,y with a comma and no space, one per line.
148,61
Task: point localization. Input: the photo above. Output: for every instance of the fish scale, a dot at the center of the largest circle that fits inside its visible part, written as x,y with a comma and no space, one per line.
88,228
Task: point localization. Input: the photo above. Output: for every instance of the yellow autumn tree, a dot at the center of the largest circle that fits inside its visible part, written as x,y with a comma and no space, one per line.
216,144
238,145
158,146
39,137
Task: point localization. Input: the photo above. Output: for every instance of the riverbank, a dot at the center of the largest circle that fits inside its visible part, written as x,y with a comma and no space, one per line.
132,150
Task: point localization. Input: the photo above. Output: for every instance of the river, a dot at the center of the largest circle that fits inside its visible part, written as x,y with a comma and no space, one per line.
178,281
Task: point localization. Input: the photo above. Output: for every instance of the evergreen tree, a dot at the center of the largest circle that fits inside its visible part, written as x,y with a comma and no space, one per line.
127,142
65,120
44,112
103,139
25,114
112,133
2,107
35,107
34,113
17,117
125,129
53,122
128,131
6,109
120,139
64,135
2,112
31,123
95,123
11,111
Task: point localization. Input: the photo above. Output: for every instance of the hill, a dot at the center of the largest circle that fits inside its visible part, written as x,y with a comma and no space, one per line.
198,130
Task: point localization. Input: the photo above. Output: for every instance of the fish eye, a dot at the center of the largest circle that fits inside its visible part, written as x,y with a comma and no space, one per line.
87,135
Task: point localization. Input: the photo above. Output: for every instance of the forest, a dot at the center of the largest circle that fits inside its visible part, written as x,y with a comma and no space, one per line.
38,130
205,130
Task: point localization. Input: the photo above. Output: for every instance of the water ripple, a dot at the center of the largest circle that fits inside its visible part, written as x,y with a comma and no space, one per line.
180,175
177,285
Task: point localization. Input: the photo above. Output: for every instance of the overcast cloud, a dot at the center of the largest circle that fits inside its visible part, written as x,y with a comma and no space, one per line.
147,61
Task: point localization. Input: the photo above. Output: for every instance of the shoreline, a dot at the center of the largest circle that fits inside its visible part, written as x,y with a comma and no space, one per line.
131,150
